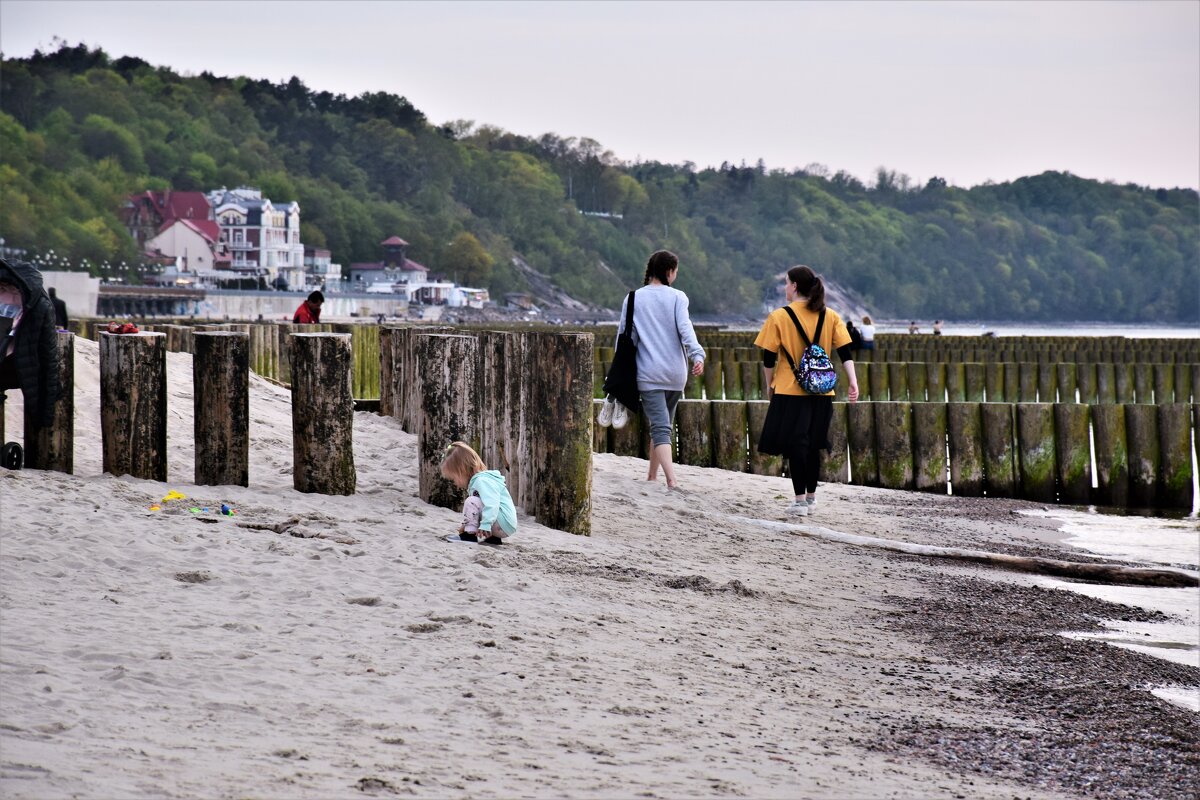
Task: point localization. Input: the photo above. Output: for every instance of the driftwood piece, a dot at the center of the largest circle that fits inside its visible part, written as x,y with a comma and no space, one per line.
221,397
133,404
322,414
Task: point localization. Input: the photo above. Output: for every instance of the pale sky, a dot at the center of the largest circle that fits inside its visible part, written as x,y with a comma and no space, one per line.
969,91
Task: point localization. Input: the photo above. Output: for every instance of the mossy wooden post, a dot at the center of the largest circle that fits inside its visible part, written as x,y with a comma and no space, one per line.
693,418
956,382
1065,377
1035,444
999,450
322,413
221,408
627,441
729,435
133,404
599,432
1183,382
1085,375
880,390
929,447
1112,456
976,381
860,435
965,427
52,447
897,381
387,363
1047,382
862,372
712,374
1164,384
935,381
1143,383
560,415
760,463
1012,382
515,459
733,377
1142,438
1106,384
449,410
1125,382
917,378
1175,447
493,396
694,388
1028,375
751,380
893,441
834,462
1073,452
993,381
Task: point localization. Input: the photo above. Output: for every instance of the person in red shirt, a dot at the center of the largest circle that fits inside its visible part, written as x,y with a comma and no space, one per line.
309,311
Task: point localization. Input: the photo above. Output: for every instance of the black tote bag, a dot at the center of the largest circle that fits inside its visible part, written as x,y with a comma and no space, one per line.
621,381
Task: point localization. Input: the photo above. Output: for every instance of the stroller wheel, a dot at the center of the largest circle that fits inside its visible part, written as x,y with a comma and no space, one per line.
12,456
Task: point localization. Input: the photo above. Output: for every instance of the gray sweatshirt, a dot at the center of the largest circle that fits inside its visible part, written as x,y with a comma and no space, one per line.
663,333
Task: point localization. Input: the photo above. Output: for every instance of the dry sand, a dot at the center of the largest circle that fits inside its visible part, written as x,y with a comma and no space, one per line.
680,651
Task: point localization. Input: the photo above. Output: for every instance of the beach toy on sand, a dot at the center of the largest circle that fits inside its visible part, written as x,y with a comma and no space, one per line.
174,495
194,510
155,507
226,510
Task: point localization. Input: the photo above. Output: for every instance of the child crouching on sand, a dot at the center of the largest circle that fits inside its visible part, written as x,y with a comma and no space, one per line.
489,515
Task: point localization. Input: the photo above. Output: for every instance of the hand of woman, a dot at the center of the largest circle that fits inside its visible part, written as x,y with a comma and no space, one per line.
852,393
698,368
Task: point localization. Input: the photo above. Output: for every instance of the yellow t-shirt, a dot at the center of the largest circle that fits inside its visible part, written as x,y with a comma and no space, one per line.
780,330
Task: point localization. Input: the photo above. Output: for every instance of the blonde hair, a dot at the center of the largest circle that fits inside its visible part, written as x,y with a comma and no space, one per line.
461,462
866,320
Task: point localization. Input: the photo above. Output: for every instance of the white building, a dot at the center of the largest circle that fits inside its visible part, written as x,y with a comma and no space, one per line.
264,238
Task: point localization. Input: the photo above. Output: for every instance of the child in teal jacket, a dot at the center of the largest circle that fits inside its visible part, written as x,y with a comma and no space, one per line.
489,515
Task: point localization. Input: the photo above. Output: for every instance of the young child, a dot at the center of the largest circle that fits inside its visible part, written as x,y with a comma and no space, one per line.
489,515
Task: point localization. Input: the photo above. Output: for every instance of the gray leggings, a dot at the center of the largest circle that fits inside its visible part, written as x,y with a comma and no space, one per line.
659,405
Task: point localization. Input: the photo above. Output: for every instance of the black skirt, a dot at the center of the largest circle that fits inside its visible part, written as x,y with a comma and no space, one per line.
794,422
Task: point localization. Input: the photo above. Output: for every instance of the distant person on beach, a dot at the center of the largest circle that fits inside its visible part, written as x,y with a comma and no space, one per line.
868,334
489,515
797,423
60,309
912,327
309,312
937,327
666,343
856,338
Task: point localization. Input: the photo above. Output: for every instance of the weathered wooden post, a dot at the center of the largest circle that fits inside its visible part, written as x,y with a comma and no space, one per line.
387,363
1065,377
898,381
917,378
929,447
862,371
1143,381
1027,381
1012,382
733,377
561,411
999,450
133,404
694,421
976,381
1142,438
760,463
1125,382
493,391
1164,384
1183,382
221,408
1085,375
516,435
1175,447
1112,456
956,382
449,409
935,381
599,432
835,463
860,435
878,379
52,447
1073,450
729,435
1106,384
893,441
322,413
1047,382
712,375
994,381
965,426
1035,442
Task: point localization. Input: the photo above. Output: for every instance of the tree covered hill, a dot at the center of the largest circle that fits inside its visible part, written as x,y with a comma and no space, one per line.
79,131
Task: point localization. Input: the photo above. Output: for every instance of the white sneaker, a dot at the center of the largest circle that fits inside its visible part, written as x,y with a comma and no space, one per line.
620,415
797,509
811,502
606,412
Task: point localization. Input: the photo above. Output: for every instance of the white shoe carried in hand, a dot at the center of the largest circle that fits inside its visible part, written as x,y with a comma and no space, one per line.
606,412
620,416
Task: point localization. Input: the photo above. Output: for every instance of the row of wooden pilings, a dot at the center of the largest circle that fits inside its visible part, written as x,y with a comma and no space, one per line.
733,375
521,399
1035,451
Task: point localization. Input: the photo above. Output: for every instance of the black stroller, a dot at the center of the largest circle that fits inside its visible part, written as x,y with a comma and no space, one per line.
28,352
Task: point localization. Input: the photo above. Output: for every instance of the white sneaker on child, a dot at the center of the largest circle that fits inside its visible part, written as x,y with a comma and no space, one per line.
811,502
620,416
797,508
606,412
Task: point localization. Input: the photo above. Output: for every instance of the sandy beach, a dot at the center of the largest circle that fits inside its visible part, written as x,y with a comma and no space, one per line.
313,646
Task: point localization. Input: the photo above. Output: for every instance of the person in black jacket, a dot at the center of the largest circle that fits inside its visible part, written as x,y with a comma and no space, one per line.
28,349
60,309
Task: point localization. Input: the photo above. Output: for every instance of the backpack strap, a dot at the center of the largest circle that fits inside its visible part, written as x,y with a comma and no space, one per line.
799,327
629,329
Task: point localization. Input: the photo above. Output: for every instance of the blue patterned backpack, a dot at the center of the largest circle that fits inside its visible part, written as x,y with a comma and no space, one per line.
815,373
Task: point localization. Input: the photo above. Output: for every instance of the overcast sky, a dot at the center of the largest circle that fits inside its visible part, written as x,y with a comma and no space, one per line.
969,91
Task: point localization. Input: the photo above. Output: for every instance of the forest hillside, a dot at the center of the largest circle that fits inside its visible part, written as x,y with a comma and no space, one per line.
80,131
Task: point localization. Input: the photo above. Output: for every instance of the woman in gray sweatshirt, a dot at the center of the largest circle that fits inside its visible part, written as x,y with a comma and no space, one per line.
666,344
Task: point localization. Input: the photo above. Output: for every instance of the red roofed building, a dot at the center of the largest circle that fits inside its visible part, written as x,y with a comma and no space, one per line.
148,213
194,245
396,267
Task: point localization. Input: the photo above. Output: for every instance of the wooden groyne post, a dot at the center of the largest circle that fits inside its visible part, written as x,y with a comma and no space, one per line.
133,404
448,409
559,415
221,397
322,413
52,447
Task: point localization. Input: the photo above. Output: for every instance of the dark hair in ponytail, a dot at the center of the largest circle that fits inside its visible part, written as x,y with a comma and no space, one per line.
808,284
661,262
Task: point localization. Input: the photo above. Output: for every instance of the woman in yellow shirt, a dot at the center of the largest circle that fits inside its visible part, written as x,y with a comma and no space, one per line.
797,423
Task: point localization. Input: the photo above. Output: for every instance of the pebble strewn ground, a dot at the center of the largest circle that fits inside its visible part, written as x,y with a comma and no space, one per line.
1085,723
